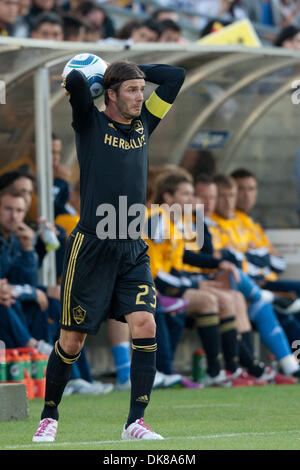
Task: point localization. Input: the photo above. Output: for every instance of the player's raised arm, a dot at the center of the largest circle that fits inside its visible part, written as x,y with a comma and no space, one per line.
170,80
81,99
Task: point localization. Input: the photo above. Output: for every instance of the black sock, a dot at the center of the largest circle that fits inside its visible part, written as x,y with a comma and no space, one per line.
210,336
142,374
248,360
59,369
248,340
230,343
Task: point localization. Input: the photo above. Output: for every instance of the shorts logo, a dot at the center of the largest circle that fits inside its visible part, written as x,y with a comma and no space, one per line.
79,314
138,126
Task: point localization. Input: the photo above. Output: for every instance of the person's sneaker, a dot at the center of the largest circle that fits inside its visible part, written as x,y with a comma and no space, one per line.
101,388
46,431
44,348
123,387
186,383
239,378
220,380
281,379
158,380
68,390
172,304
170,380
267,376
83,387
286,305
139,430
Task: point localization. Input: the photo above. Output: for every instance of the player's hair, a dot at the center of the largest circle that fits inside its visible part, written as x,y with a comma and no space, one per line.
168,183
242,173
11,192
117,73
46,17
156,13
169,24
87,7
127,29
224,181
8,178
153,25
204,178
289,32
72,25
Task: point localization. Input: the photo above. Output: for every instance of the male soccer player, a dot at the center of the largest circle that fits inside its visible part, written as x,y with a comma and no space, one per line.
107,275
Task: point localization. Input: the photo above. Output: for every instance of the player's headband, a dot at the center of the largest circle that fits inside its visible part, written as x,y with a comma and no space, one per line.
118,82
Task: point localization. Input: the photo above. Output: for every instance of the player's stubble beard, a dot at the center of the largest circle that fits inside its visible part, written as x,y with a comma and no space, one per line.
128,112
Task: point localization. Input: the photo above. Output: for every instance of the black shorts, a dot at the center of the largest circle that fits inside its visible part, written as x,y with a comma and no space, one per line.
104,279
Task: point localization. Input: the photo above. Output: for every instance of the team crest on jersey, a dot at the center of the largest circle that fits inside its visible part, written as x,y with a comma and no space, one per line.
138,126
79,314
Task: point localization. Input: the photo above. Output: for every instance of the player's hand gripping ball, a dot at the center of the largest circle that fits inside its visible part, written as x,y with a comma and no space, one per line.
93,67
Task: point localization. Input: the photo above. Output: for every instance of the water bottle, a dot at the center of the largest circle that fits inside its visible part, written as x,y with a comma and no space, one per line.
49,237
3,372
199,366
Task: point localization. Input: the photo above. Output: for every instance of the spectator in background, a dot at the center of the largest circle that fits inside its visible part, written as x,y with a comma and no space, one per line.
148,31
162,14
47,26
61,175
95,15
224,9
38,7
23,182
69,220
170,31
265,12
288,38
21,29
92,33
8,16
127,29
74,28
289,10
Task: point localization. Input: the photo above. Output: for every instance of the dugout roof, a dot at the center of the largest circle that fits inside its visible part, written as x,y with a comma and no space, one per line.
236,102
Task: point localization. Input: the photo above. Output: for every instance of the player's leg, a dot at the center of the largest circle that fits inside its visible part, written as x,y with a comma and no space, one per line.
143,368
59,368
119,338
228,328
204,307
247,359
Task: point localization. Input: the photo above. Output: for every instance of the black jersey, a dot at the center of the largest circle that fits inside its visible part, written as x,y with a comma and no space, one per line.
113,157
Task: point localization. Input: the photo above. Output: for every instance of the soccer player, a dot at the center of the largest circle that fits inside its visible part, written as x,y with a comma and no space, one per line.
108,274
228,236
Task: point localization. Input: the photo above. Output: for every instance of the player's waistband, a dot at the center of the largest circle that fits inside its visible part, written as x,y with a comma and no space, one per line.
92,233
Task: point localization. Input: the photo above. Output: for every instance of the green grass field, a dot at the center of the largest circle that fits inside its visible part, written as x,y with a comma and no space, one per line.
240,418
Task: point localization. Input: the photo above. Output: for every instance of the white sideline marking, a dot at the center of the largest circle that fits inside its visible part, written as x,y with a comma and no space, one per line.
89,443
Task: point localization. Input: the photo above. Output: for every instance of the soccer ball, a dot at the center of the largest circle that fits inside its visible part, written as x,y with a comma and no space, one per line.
93,67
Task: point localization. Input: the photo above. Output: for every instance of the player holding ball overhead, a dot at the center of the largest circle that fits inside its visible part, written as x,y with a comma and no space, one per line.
107,272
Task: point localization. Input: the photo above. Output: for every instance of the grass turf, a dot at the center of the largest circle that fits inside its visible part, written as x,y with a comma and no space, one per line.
251,418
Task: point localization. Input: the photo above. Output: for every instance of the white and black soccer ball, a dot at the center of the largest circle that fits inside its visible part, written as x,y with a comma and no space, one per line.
93,67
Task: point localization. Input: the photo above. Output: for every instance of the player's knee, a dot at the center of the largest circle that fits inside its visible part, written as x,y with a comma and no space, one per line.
71,342
226,304
209,303
144,326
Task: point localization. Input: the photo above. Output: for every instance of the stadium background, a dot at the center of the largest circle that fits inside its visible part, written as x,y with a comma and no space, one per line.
236,103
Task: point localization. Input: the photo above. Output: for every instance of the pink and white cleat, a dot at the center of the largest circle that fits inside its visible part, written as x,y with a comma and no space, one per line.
46,431
139,430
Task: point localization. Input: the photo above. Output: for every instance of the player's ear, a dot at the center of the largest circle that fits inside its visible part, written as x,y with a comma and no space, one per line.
112,95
